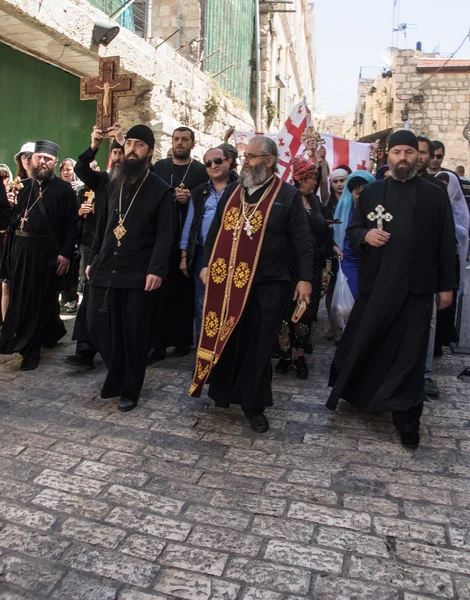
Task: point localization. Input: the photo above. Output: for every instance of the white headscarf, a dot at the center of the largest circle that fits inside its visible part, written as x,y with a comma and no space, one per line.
461,220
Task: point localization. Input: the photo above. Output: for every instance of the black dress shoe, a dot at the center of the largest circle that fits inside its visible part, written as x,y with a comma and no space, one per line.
182,351
126,404
30,360
259,423
409,440
283,366
301,368
81,361
155,355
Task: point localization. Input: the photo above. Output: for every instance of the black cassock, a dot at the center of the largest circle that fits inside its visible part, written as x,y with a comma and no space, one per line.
174,326
29,263
243,374
379,365
120,313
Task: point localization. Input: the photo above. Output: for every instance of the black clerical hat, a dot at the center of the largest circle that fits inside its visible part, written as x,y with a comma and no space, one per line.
46,147
403,137
142,133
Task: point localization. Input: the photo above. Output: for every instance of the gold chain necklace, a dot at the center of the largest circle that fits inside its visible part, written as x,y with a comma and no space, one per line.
248,214
25,217
120,231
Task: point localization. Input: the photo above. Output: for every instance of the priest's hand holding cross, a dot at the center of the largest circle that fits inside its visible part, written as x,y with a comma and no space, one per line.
377,237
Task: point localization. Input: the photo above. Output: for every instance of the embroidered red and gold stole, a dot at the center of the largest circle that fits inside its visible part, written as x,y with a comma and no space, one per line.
232,268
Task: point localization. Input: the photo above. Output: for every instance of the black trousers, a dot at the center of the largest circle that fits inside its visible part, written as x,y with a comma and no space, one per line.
80,331
408,420
120,324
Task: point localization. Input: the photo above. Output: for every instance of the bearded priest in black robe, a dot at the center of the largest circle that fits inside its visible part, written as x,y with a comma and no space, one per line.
403,229
41,242
128,262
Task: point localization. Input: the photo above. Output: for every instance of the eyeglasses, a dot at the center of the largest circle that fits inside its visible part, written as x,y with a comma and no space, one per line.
252,156
439,156
217,161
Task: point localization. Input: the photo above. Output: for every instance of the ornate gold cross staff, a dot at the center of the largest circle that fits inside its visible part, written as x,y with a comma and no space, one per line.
107,88
312,140
380,216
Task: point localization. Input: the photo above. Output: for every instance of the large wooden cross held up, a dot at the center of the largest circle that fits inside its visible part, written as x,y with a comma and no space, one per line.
107,88
380,216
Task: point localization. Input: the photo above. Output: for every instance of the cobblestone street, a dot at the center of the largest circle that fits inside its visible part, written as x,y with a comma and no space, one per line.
181,500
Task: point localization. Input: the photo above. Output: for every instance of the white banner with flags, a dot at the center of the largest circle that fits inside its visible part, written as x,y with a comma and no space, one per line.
339,151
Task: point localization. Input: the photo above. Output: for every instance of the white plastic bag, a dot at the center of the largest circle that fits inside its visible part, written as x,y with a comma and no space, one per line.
343,300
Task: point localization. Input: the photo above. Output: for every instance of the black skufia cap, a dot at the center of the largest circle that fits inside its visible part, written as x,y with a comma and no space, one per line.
46,147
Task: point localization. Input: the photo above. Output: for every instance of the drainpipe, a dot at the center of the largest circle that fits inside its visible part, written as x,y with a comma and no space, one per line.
258,66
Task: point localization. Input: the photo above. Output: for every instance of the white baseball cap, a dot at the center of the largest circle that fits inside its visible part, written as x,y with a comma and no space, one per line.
27,148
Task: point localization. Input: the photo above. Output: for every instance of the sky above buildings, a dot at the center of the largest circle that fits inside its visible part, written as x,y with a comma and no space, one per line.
350,35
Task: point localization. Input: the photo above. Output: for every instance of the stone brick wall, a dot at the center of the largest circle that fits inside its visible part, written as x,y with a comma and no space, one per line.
170,90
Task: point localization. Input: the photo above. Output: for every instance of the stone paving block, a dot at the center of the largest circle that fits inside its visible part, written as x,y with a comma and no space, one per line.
92,533
98,470
412,578
193,559
134,595
311,478
69,483
434,557
143,546
171,455
250,503
462,584
17,469
404,529
330,516
6,595
118,494
118,444
437,513
152,524
253,457
32,542
227,440
111,564
174,488
370,505
232,482
76,586
195,586
351,541
16,490
260,594
225,539
216,516
70,503
460,538
446,483
269,575
75,449
10,450
302,492
26,438
383,475
47,458
251,470
331,588
287,529
173,470
30,575
317,559
123,460
22,515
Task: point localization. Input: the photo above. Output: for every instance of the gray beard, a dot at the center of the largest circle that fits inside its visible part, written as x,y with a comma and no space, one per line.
256,176
403,173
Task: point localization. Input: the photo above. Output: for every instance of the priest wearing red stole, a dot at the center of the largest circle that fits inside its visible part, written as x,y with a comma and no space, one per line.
260,222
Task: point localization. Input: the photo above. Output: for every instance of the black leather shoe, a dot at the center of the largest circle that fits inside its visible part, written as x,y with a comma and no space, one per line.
30,360
155,355
182,351
301,368
409,440
126,404
81,361
283,366
259,423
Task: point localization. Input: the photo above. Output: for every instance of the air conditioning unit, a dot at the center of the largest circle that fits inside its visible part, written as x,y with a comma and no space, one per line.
417,98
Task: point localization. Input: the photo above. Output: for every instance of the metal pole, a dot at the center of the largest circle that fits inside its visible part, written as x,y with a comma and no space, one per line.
167,38
258,65
119,11
148,25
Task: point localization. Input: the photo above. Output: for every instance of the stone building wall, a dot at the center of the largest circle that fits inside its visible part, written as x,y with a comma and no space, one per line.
170,90
437,106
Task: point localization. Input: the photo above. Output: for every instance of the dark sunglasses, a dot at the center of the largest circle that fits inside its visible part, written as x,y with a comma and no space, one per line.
438,156
217,161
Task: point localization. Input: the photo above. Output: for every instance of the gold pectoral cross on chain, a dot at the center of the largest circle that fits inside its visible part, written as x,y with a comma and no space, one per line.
380,216
23,220
119,231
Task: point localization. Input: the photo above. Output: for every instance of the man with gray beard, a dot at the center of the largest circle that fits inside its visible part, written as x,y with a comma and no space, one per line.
260,221
403,229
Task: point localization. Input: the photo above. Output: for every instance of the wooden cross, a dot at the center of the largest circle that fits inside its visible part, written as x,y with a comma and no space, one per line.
107,88
380,216
90,196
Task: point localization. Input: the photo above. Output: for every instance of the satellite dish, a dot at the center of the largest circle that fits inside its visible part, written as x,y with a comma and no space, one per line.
387,55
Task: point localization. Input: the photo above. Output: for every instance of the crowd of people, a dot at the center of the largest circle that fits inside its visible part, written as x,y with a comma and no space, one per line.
139,251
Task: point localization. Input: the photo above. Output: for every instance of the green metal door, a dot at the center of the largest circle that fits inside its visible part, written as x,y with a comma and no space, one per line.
229,26
39,101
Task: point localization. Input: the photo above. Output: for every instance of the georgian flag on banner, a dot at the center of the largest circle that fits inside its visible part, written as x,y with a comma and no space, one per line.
345,152
289,140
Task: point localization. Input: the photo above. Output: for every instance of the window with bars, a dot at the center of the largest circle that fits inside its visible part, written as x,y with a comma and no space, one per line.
133,18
